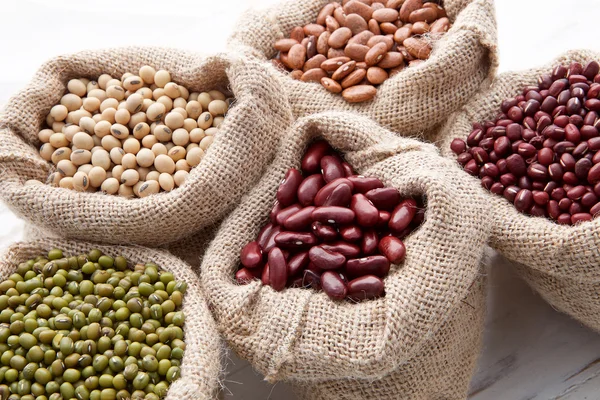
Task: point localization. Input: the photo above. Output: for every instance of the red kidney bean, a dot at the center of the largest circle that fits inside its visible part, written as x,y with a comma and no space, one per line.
393,249
371,265
251,255
299,220
311,162
297,263
326,259
265,275
331,167
363,184
295,240
245,275
369,243
326,190
351,233
340,196
582,168
594,174
324,232
278,272
384,198
271,241
286,193
311,279
541,198
497,188
309,188
523,200
366,213
365,287
264,234
348,171
402,215
274,211
580,217
286,213
333,285
333,215
516,165
345,248
458,146
384,218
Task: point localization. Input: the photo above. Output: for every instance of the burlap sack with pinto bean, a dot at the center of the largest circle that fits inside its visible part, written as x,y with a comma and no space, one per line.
422,339
561,262
243,147
201,366
413,101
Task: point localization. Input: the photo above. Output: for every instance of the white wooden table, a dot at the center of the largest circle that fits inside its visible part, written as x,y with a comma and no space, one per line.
530,350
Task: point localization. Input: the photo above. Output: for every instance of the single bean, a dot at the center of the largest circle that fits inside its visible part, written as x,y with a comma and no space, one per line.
362,184
372,265
393,249
300,220
264,234
324,232
365,287
384,198
251,256
270,243
366,213
351,233
288,188
326,259
308,189
298,263
333,285
345,248
325,192
295,240
402,215
331,168
311,162
286,213
333,215
277,269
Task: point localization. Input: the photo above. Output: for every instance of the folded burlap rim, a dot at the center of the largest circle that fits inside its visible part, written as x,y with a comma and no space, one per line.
443,259
537,242
201,366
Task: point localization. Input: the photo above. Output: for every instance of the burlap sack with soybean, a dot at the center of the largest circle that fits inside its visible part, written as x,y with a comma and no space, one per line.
561,262
244,145
422,339
413,101
201,366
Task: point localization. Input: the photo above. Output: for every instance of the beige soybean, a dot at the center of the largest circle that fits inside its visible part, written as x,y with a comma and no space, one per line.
135,135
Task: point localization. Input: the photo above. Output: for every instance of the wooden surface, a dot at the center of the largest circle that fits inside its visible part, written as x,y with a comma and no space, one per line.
530,350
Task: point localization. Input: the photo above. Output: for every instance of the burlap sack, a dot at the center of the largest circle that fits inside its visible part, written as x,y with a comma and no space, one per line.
560,262
413,101
419,338
201,366
235,161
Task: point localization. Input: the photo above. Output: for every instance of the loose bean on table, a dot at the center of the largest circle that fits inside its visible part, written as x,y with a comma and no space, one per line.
541,152
330,230
114,125
355,46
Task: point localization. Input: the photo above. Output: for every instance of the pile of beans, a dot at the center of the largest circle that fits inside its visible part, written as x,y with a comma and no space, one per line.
135,136
356,46
88,327
541,152
331,230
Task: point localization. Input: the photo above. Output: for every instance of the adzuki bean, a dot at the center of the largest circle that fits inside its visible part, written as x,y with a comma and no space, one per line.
541,152
331,225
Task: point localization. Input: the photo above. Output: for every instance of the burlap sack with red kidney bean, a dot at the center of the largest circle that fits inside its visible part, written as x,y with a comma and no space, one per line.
243,147
201,366
413,101
561,262
422,339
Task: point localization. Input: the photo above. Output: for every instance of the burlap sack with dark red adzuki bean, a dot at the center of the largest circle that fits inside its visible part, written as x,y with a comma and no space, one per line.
244,145
561,262
201,366
412,101
422,339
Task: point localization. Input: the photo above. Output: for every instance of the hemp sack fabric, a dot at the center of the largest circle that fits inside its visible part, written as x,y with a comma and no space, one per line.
560,262
201,366
243,147
411,102
302,336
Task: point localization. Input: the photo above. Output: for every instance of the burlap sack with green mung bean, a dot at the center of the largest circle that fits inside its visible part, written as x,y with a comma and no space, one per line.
244,145
422,339
410,103
201,366
561,262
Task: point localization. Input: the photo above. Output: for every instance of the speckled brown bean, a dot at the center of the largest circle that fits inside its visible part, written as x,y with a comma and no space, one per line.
408,7
358,7
418,47
331,85
285,45
359,93
356,23
376,75
313,75
344,70
296,56
333,64
354,78
340,37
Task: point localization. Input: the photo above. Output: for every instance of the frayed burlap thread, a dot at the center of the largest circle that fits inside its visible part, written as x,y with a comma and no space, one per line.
561,262
413,101
301,335
243,147
201,366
